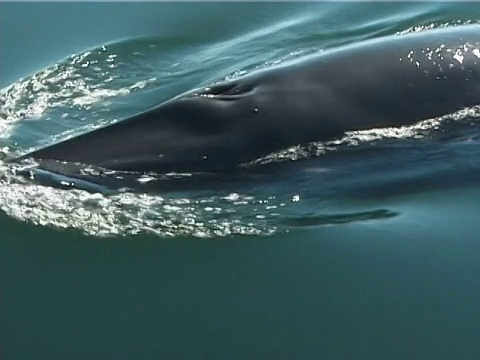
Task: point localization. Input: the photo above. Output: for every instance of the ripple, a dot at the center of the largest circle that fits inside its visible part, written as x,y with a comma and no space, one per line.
345,218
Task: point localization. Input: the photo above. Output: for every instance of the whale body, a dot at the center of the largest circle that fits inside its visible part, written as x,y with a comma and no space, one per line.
391,81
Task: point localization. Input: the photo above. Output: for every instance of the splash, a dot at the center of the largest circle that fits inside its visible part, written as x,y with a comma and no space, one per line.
359,138
77,83
436,25
130,214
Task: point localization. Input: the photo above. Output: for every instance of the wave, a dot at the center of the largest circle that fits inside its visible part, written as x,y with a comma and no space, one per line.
103,85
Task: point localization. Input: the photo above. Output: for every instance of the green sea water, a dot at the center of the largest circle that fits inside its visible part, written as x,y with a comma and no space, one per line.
367,261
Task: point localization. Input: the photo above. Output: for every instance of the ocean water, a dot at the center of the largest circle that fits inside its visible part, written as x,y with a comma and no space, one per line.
371,252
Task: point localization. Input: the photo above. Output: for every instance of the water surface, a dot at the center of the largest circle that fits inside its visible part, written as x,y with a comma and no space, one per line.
367,254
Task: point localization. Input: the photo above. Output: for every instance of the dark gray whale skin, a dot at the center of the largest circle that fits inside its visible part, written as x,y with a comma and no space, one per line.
390,81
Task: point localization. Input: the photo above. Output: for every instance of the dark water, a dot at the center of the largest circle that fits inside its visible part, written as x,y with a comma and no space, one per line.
370,253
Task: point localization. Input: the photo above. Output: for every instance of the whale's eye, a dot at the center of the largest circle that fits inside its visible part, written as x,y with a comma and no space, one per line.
228,89
221,89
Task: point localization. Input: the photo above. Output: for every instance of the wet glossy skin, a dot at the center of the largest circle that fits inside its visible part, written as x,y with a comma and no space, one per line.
396,80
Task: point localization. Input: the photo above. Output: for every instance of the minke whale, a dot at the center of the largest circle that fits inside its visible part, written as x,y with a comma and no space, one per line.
390,81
